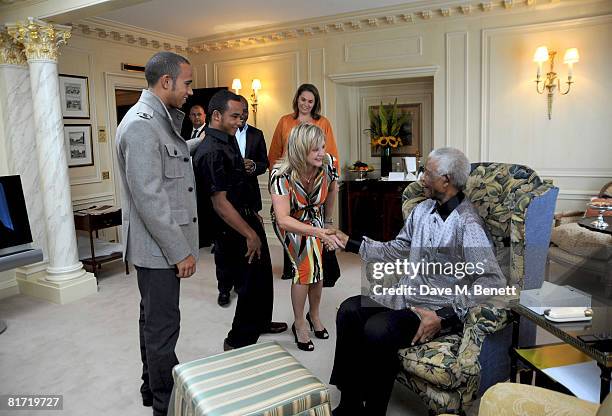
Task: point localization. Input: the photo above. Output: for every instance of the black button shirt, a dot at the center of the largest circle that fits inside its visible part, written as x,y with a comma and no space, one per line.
219,167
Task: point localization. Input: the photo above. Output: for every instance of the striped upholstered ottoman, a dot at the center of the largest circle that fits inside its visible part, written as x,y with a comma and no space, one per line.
261,379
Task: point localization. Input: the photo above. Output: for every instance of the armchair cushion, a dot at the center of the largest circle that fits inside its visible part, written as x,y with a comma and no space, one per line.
582,242
451,362
506,399
434,361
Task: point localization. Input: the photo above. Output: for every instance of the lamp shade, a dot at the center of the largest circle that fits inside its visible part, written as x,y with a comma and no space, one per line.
571,56
541,54
236,84
256,85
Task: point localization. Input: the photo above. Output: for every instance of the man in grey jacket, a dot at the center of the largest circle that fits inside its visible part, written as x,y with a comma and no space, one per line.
160,230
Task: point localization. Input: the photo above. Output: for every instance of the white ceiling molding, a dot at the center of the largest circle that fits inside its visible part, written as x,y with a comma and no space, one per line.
415,13
117,32
401,73
15,3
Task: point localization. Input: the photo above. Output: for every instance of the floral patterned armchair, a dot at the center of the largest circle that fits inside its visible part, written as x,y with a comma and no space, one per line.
517,207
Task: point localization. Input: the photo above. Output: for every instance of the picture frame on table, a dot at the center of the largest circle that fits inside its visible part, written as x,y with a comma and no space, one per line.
79,145
74,96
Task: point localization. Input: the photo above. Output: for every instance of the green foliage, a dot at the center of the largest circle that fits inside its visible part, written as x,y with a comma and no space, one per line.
388,121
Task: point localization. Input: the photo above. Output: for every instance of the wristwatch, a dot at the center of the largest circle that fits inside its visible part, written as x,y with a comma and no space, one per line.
448,316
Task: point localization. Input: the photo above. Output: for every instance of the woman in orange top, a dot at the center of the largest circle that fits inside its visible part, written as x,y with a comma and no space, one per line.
306,109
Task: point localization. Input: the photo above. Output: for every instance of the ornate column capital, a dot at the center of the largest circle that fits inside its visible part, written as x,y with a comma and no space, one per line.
40,40
11,52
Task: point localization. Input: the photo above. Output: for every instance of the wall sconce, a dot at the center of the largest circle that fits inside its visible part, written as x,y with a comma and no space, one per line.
553,82
236,85
256,85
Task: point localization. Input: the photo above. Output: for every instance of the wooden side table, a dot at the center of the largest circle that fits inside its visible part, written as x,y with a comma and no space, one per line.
90,222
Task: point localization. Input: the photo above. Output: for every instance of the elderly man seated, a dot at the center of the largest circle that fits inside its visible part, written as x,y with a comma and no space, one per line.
447,265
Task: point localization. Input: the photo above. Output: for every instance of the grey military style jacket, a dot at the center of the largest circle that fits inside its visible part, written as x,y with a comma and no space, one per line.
158,186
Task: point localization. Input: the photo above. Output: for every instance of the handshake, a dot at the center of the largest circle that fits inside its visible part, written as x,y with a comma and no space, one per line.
332,238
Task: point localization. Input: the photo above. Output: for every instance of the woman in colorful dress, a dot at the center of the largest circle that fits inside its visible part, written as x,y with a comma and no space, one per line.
303,185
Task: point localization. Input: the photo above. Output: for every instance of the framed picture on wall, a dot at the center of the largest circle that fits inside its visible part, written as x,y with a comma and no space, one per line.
410,131
79,150
74,96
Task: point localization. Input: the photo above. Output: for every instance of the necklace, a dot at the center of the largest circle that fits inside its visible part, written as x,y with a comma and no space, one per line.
308,180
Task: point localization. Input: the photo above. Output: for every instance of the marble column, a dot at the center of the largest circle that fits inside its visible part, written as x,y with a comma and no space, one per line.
16,101
41,42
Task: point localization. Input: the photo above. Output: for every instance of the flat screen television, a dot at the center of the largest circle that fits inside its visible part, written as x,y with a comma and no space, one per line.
15,234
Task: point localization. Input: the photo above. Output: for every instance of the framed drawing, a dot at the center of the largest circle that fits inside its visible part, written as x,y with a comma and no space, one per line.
410,131
74,96
79,150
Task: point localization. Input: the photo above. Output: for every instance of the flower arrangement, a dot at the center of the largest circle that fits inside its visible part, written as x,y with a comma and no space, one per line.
385,126
384,141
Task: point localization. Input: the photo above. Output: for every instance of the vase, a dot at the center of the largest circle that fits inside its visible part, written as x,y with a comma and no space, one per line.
385,161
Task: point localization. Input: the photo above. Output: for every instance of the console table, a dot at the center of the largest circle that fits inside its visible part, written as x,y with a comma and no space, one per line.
372,208
90,221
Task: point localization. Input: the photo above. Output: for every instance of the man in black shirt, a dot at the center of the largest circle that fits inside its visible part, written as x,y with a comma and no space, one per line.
220,173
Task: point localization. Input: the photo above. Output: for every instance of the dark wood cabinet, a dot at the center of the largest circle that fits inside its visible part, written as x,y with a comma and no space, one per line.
371,208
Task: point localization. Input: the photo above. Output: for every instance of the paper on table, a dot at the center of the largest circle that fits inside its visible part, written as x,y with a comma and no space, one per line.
410,162
410,177
396,176
581,379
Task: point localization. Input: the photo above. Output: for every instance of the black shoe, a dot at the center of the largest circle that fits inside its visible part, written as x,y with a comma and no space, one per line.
223,299
147,400
286,277
227,346
322,334
304,346
343,411
275,328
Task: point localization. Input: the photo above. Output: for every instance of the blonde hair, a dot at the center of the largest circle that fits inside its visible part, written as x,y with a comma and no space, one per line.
302,140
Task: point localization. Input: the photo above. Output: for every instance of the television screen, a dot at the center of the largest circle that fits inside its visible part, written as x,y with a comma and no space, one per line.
14,224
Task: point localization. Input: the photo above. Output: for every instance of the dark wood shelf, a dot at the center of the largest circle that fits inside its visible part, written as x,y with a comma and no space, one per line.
371,208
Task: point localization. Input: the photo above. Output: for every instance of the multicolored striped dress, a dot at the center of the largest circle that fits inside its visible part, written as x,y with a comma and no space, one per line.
305,252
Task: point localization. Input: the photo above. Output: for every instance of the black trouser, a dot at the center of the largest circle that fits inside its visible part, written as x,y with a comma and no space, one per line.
252,282
225,280
159,331
366,361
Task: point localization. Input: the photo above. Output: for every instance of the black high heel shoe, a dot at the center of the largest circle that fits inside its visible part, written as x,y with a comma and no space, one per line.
304,346
322,334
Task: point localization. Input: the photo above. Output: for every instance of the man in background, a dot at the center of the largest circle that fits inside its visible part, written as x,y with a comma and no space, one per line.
159,224
197,116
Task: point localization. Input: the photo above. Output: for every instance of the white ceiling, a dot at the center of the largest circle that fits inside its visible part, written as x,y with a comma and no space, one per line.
199,18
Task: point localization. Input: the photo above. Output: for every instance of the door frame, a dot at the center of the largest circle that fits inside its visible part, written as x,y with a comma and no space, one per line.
114,81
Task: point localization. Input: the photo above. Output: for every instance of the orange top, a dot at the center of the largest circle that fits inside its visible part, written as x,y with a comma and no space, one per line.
278,147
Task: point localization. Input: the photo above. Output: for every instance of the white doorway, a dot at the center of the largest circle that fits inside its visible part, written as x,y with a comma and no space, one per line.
122,91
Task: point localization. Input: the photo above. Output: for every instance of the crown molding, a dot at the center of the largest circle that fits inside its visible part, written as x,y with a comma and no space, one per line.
13,4
384,17
385,74
108,30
